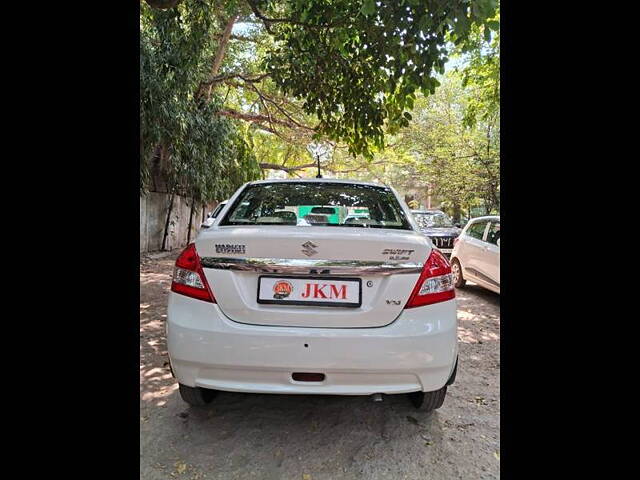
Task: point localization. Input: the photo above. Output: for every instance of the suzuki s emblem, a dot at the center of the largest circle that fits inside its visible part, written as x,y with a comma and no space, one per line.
308,248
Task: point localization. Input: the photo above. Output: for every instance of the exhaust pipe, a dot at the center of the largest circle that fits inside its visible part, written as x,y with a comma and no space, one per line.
376,397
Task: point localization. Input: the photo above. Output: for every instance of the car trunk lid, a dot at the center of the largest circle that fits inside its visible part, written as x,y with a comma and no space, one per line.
323,261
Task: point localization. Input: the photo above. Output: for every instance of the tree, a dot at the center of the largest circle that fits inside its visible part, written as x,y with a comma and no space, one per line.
359,64
199,153
437,154
342,70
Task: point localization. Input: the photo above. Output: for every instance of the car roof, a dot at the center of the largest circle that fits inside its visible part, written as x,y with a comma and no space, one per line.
317,180
486,217
427,211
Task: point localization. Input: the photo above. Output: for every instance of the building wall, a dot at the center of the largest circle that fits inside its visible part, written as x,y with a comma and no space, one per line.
153,215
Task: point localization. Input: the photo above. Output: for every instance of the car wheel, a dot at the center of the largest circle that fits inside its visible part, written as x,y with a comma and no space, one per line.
428,401
456,272
197,397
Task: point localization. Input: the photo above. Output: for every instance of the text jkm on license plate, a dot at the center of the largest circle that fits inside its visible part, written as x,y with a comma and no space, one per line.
309,291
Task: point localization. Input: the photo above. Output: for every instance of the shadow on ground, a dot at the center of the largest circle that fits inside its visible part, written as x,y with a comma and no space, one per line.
273,436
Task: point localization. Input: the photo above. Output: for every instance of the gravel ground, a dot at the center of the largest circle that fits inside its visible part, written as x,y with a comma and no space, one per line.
307,437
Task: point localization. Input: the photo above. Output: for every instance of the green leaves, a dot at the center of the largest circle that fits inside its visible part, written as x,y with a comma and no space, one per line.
353,67
368,7
482,74
206,157
356,64
436,152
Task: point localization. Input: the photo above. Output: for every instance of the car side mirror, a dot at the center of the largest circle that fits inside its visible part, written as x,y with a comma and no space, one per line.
207,223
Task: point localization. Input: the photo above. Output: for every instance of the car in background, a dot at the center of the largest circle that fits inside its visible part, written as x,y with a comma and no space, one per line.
437,225
476,254
266,302
212,215
356,218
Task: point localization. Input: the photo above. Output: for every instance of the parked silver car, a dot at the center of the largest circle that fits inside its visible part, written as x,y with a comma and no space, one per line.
212,215
476,254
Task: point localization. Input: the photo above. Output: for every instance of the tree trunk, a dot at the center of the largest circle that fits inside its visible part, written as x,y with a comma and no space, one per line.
166,224
456,212
193,208
222,50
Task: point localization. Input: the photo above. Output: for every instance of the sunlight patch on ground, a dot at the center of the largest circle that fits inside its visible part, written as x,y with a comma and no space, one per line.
156,384
147,278
466,336
464,315
152,325
490,336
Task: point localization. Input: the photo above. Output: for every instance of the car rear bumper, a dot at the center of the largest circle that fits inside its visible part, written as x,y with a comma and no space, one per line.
417,352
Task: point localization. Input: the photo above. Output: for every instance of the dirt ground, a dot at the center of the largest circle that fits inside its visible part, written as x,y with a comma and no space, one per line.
307,437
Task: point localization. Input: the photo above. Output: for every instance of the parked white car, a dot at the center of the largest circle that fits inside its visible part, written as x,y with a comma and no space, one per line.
265,301
476,254
212,215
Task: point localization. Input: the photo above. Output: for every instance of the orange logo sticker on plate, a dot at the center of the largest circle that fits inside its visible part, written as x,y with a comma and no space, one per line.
282,289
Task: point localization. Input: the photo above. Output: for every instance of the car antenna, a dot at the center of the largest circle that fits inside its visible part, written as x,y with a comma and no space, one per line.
318,160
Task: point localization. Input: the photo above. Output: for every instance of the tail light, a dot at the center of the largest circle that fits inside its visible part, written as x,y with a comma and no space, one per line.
188,277
435,283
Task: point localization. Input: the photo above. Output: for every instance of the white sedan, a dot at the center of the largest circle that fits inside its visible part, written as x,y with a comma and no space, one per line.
476,254
273,298
212,216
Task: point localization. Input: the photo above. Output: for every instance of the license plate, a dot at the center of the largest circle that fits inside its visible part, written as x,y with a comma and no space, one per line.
446,250
318,291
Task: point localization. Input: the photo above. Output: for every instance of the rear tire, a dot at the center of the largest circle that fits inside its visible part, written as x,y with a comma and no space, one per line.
456,272
428,401
197,397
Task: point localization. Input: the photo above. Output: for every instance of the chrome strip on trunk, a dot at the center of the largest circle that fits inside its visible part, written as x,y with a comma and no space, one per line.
306,267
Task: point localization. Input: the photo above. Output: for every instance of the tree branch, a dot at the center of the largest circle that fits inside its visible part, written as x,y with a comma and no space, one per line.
268,21
252,117
273,166
243,77
222,50
240,38
264,98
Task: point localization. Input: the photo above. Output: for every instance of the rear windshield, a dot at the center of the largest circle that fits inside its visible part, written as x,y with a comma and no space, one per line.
317,204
